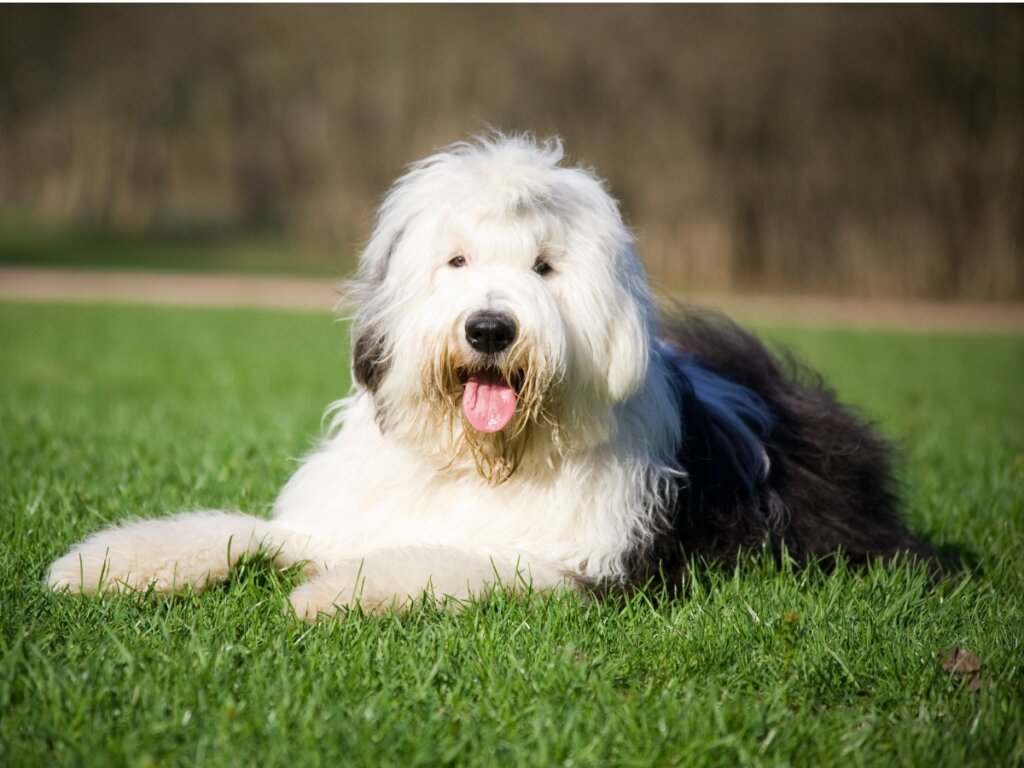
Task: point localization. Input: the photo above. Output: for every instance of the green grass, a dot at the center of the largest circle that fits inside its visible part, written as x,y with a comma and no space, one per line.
27,242
111,411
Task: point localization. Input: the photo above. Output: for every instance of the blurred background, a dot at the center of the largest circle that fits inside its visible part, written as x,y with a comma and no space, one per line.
835,151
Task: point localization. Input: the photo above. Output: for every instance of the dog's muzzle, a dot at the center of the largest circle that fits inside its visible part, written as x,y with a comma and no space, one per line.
488,399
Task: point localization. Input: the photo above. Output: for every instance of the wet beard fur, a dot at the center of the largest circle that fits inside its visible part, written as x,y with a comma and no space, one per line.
496,455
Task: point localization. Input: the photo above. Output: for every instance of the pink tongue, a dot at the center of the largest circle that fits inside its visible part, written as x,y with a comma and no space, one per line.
488,402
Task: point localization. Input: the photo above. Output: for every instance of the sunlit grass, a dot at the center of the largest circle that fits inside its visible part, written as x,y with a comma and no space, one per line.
112,411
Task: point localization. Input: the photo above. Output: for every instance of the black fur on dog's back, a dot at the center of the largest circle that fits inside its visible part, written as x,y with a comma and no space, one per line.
829,485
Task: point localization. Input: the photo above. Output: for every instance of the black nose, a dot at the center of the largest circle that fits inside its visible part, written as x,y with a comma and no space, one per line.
490,332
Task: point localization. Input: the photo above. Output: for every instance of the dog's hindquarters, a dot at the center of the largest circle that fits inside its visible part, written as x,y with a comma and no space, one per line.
168,555
828,485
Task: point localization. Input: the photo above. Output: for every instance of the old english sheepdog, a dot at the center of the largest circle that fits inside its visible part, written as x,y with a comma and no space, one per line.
521,416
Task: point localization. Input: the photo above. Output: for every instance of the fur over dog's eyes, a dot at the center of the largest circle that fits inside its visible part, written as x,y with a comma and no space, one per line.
541,267
457,261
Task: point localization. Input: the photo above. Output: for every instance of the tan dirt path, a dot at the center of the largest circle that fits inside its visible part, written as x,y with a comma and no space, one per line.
280,292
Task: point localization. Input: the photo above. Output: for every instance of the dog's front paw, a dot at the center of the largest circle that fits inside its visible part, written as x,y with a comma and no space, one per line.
344,588
72,574
136,557
311,601
91,569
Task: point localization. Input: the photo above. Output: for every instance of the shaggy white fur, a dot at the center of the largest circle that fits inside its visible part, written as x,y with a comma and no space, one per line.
405,498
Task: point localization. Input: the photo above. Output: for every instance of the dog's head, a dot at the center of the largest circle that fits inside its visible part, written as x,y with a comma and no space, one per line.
502,312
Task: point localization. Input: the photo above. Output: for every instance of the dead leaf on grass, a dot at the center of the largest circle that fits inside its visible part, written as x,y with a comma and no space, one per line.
966,665
960,661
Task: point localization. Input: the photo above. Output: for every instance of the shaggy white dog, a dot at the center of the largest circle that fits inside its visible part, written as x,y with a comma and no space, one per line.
515,420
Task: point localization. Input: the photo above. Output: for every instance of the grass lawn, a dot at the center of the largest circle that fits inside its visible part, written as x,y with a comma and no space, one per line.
28,243
113,411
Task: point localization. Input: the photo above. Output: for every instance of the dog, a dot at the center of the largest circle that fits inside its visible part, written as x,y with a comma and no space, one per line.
522,416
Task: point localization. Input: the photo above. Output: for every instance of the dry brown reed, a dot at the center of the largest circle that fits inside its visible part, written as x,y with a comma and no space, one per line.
845,150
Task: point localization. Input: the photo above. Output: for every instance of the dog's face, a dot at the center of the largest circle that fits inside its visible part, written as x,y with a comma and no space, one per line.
502,312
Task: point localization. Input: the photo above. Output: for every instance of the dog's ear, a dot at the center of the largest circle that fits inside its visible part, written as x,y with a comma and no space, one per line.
629,331
628,353
370,358
370,352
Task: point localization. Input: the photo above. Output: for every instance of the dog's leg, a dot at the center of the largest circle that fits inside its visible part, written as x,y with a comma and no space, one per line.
396,578
189,550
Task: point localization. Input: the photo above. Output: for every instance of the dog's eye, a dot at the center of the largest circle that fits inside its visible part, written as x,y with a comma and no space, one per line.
457,261
541,267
